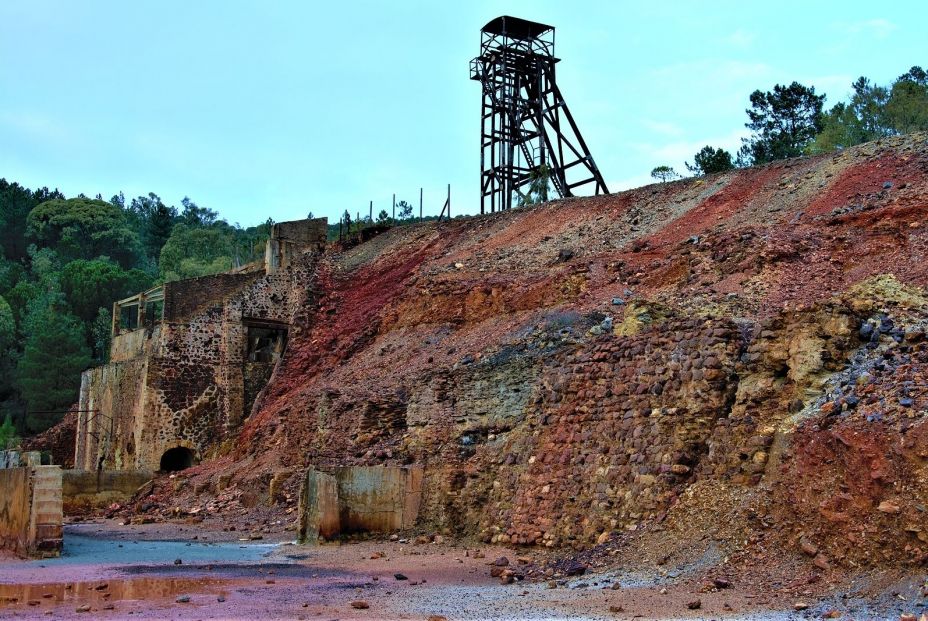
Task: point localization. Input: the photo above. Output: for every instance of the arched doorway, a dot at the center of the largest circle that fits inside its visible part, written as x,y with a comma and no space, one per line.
177,458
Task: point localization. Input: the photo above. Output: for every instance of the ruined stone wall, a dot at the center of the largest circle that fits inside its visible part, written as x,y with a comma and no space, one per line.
184,298
129,345
187,383
112,404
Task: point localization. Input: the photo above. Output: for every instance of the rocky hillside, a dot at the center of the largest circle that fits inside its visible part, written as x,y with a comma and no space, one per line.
742,355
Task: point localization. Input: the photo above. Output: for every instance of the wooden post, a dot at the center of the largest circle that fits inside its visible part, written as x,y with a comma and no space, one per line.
371,216
140,317
420,204
394,206
116,318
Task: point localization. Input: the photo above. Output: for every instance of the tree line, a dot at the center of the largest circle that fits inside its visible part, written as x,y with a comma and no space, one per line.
790,121
64,261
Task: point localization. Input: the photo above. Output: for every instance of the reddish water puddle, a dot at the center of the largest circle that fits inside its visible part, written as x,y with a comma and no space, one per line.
102,592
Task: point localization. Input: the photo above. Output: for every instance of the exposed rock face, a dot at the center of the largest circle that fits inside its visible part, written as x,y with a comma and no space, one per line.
718,353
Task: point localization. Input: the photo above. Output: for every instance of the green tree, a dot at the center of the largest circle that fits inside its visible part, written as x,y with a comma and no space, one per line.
405,210
860,120
49,372
7,345
783,121
194,215
193,251
383,216
15,204
664,173
539,186
20,297
91,285
154,222
907,107
8,437
82,228
101,334
709,161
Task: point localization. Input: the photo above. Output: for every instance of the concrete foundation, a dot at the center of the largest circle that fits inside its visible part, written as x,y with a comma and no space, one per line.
30,510
84,490
359,499
19,459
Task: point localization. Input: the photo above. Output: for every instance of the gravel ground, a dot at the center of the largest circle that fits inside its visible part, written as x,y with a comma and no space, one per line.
110,571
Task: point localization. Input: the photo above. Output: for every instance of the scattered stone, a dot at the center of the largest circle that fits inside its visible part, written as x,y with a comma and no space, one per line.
552,584
616,586
696,604
614,608
808,547
888,506
360,604
437,618
575,569
183,599
84,608
721,583
617,301
800,606
399,576
821,561
501,561
907,616
177,561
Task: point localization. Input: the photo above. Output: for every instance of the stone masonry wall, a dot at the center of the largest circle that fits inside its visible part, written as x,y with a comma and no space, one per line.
186,385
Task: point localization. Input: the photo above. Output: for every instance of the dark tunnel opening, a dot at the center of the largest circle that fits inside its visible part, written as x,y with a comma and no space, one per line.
177,458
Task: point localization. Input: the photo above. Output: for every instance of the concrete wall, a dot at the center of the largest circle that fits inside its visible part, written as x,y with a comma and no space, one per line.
318,507
30,510
83,490
128,345
359,499
17,459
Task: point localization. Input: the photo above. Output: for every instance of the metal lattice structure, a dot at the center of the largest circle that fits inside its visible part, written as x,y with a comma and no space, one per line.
528,136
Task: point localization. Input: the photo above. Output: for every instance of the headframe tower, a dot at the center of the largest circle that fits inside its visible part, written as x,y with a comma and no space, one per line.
528,135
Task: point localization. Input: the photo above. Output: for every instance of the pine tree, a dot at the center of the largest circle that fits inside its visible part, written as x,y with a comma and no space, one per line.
49,372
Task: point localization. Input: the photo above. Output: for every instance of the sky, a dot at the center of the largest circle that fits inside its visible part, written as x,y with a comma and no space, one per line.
277,109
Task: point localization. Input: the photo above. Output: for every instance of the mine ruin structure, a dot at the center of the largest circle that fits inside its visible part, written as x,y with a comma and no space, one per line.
523,144
189,358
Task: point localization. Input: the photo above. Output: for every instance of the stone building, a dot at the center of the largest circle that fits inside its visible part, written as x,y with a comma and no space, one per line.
189,358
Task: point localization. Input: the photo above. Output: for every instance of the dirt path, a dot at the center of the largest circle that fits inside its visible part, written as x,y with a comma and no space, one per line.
115,572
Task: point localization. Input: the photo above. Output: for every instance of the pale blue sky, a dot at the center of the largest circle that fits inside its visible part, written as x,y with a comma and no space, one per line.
273,109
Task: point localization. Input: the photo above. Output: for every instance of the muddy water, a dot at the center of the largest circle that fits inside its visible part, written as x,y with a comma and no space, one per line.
85,549
100,592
